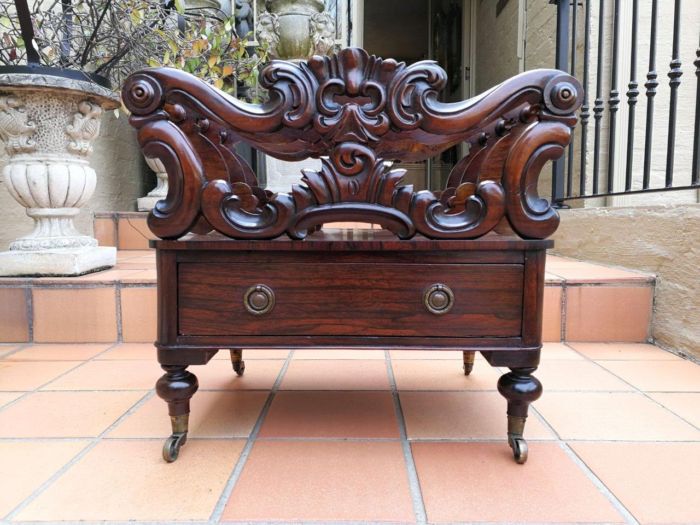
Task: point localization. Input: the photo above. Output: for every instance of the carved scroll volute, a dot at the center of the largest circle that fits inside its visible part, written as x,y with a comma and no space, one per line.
409,91
474,211
242,212
529,215
160,138
177,214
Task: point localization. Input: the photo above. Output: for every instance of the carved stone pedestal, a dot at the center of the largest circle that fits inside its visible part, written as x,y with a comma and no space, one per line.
148,202
48,124
58,261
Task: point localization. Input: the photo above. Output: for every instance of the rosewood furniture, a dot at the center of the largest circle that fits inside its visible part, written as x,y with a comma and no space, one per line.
240,267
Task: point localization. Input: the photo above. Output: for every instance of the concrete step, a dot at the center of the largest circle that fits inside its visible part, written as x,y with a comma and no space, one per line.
583,302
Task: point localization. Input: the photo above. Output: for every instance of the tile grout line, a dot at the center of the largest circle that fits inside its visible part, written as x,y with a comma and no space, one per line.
599,484
563,313
590,474
645,394
413,483
118,305
29,298
38,389
115,230
19,348
586,470
635,389
80,455
218,511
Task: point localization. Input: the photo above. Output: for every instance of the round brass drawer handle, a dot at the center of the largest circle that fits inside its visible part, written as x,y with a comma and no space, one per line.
259,299
438,299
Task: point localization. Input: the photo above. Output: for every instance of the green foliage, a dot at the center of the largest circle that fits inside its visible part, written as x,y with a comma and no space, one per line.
114,38
210,49
107,37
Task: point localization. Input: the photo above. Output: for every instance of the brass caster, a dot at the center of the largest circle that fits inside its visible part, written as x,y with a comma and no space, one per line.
468,358
171,447
237,361
519,446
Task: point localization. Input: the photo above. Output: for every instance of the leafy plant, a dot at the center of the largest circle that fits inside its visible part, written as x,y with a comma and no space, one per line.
209,48
111,38
114,38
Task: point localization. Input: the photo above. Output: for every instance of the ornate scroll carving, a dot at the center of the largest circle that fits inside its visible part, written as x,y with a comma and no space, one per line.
358,113
16,129
85,128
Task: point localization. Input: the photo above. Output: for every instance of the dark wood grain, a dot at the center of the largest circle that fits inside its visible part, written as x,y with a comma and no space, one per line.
328,300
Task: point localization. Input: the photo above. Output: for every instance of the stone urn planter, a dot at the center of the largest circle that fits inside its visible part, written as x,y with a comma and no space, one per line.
296,29
148,202
48,123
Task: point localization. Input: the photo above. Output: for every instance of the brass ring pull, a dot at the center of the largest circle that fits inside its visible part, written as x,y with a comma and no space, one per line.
259,299
438,299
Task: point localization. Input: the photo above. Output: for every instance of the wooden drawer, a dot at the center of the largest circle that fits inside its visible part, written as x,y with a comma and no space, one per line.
350,299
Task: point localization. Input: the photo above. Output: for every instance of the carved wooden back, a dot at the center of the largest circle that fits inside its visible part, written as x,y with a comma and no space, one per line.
355,112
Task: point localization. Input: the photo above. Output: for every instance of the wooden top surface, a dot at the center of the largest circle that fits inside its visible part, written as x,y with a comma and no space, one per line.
334,240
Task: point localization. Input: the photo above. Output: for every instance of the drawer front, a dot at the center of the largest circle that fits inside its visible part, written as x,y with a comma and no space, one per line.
350,299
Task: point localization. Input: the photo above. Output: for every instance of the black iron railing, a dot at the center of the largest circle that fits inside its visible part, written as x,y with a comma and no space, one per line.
590,167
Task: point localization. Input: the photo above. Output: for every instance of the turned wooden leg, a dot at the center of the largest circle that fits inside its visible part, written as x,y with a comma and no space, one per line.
468,358
176,387
237,361
520,388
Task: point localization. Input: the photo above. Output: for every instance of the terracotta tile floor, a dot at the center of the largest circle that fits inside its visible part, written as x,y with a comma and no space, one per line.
386,438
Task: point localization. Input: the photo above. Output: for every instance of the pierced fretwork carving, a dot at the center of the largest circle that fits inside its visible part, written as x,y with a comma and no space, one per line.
359,114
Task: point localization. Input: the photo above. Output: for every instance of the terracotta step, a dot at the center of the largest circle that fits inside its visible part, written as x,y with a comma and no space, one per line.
583,302
127,230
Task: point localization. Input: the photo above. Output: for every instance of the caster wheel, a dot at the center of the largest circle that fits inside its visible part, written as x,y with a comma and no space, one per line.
239,368
519,446
171,447
468,368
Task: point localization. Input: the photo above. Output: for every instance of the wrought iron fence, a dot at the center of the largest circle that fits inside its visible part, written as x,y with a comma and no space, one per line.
612,154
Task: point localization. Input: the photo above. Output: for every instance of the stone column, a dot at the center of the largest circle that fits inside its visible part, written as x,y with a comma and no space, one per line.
48,125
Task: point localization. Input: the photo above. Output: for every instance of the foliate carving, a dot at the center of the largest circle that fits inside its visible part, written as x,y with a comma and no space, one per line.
322,31
16,129
85,127
268,29
350,97
358,113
